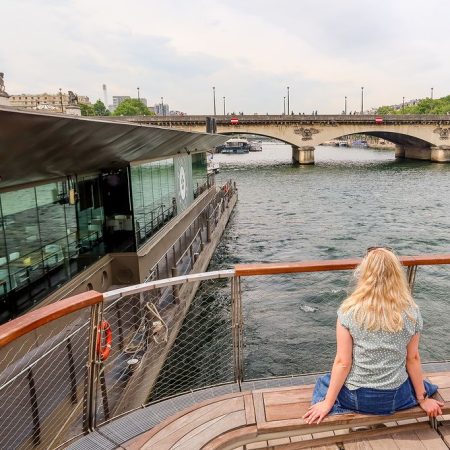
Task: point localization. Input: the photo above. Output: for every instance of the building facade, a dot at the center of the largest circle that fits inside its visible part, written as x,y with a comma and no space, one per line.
56,102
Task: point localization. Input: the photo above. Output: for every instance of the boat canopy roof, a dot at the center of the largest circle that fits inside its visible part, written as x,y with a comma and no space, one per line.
38,146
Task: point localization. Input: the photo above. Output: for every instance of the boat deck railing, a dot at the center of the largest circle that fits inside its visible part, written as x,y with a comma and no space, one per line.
69,367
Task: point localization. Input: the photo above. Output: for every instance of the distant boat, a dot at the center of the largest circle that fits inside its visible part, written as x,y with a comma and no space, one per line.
236,146
360,143
255,146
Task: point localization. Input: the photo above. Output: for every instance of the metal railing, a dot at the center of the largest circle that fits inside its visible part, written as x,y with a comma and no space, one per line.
73,365
180,259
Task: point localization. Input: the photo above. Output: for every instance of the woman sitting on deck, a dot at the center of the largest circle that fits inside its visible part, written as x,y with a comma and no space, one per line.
377,369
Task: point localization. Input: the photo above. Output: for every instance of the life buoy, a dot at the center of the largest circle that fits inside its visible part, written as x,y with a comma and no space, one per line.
104,351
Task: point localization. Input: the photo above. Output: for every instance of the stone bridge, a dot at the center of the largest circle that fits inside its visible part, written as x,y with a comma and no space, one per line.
424,137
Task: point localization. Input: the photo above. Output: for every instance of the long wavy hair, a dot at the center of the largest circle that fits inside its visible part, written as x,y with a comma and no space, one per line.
382,293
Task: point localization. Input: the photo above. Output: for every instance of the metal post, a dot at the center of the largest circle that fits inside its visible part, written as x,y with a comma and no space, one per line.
60,99
362,99
90,391
175,288
208,226
224,106
284,106
214,99
345,106
237,329
288,101
411,276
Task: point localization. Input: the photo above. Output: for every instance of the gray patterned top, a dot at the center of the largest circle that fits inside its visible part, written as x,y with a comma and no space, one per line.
379,357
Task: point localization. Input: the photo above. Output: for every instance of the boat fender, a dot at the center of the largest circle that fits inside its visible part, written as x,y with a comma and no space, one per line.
104,351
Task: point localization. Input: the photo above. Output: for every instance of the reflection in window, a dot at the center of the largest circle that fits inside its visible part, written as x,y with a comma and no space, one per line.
153,186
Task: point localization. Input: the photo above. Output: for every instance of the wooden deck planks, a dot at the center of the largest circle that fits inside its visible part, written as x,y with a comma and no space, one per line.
176,430
420,439
201,435
274,414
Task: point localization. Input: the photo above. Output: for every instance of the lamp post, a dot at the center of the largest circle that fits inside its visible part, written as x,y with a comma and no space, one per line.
162,106
362,99
288,100
345,105
139,98
284,106
403,106
224,106
432,93
60,99
214,99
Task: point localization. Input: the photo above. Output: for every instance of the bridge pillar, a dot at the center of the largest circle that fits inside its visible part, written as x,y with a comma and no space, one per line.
399,151
440,153
413,152
302,155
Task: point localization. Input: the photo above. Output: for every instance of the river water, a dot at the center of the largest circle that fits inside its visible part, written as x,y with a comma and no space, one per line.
349,200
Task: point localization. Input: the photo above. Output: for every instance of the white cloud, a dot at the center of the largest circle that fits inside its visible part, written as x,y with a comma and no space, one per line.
249,50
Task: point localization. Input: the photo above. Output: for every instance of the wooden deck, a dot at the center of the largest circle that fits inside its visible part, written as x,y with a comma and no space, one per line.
272,418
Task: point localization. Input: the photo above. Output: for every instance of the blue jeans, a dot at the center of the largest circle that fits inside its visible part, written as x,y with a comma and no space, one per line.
370,401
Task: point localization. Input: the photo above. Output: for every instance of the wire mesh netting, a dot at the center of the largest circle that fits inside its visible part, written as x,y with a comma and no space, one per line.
289,320
41,384
432,294
165,341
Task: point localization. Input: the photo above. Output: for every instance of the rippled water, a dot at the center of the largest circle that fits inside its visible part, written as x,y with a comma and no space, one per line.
349,200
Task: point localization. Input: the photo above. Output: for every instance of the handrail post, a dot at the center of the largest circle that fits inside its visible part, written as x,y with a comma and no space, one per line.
90,392
411,276
237,329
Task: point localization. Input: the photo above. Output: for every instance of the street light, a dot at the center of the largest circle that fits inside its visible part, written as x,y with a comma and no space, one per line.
403,106
288,100
362,99
284,106
224,106
60,99
345,105
432,93
214,99
162,106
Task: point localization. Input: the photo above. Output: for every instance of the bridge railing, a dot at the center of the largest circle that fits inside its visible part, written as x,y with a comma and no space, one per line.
68,367
294,118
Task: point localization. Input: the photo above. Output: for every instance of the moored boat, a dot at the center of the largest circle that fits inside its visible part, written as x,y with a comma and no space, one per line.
237,146
255,146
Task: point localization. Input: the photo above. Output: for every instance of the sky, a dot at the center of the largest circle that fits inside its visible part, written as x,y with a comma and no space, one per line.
249,50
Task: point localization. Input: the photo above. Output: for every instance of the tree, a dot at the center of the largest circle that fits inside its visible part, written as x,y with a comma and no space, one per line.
100,109
132,107
86,110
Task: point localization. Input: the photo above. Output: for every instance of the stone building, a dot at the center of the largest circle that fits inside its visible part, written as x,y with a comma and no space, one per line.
57,102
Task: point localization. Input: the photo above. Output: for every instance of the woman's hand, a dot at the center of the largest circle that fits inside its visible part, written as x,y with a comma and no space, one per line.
317,412
432,407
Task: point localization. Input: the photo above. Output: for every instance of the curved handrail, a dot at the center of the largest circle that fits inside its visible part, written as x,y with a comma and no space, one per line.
34,319
331,264
41,316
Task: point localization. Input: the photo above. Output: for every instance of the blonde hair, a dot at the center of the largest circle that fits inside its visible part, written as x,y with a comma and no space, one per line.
382,293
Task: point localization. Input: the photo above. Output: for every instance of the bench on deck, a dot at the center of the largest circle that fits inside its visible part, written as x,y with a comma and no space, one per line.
272,418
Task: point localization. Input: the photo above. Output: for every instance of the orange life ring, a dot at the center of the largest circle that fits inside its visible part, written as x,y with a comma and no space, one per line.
104,352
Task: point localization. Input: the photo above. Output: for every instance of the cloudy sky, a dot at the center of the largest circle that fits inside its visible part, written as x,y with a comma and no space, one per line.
250,50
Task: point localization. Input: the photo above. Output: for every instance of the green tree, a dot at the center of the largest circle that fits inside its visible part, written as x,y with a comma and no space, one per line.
385,110
132,107
100,109
86,110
